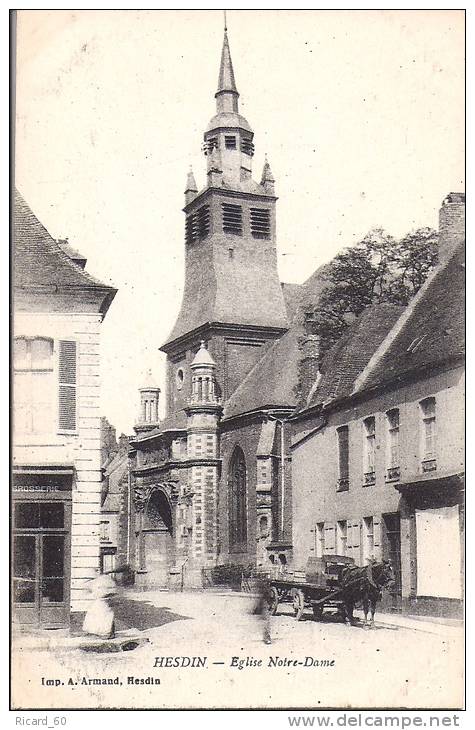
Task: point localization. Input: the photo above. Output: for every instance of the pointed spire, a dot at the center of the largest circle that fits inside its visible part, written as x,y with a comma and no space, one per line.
267,179
191,190
267,175
191,182
226,81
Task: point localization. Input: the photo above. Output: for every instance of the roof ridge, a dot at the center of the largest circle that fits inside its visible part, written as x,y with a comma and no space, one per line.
397,328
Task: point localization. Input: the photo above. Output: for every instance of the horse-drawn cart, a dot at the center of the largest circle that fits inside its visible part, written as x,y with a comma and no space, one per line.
318,587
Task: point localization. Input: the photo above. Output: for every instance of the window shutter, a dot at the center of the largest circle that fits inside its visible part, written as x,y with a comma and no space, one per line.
377,537
355,541
330,539
67,385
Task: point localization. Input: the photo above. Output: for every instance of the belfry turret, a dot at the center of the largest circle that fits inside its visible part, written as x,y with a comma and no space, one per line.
228,137
232,296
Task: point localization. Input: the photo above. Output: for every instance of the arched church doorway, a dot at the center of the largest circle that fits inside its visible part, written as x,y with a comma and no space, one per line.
157,539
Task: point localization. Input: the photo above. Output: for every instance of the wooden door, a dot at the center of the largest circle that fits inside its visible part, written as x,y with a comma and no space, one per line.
41,563
392,552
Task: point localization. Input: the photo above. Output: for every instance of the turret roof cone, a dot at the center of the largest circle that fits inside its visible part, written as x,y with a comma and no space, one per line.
226,80
203,357
191,182
149,382
267,175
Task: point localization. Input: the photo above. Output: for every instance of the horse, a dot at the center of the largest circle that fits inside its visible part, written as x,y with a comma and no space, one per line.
364,585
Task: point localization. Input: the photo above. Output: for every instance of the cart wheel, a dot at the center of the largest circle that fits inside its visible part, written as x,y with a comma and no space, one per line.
273,600
298,603
317,612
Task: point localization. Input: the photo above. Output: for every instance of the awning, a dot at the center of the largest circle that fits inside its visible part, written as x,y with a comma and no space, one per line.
448,487
60,469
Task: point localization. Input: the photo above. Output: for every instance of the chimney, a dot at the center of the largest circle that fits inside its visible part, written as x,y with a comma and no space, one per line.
309,363
451,225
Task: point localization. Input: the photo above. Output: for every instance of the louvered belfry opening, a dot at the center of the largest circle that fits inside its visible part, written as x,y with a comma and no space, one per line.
209,145
67,385
202,224
260,222
247,146
232,218
197,224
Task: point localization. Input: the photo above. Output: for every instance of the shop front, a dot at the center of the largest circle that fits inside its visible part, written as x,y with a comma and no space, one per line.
41,547
433,535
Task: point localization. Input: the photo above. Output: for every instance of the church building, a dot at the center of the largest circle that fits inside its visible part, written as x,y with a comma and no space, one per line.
211,481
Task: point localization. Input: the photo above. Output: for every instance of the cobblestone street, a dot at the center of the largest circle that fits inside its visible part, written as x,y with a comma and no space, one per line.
336,666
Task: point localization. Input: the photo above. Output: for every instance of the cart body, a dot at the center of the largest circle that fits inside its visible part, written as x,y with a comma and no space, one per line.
318,586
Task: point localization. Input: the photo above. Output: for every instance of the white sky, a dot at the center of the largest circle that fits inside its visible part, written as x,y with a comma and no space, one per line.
361,114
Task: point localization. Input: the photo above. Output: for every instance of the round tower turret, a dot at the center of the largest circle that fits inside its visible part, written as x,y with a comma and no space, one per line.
149,397
203,379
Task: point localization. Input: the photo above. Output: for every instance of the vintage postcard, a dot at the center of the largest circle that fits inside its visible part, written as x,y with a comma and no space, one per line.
238,248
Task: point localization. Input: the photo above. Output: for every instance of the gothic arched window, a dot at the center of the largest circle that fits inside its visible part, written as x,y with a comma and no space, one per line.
237,500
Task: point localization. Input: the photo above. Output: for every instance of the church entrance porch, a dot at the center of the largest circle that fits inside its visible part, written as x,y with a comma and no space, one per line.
156,544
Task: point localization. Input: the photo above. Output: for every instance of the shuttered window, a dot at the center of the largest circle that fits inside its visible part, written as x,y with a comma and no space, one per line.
353,540
343,458
319,539
377,548
67,385
428,428
330,538
341,537
393,437
34,390
368,539
370,438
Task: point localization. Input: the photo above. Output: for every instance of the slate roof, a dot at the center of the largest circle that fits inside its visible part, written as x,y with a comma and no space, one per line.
38,260
176,421
272,381
313,287
292,298
256,300
350,355
431,331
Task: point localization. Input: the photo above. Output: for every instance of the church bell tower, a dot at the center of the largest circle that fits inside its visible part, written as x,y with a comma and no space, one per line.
232,295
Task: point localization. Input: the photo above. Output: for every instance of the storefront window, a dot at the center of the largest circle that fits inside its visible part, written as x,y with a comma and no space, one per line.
24,569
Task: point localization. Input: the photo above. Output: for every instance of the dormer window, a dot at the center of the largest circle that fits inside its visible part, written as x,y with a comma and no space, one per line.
230,142
232,218
247,146
260,222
